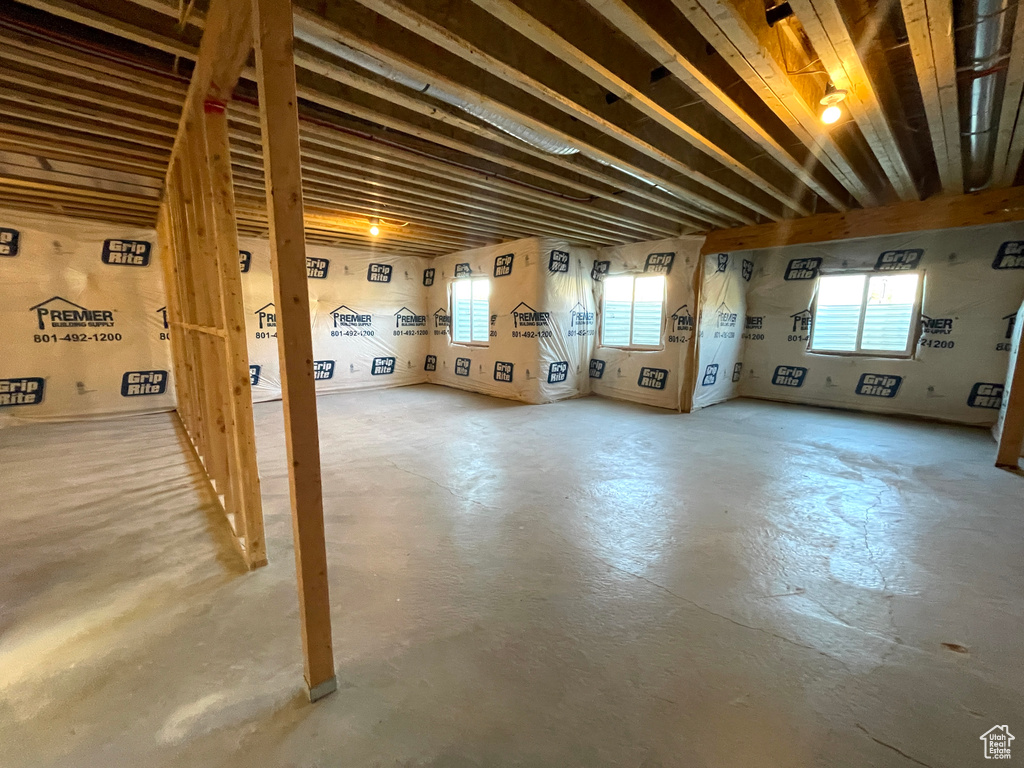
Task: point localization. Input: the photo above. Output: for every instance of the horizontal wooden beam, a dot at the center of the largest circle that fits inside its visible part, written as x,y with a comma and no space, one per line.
990,207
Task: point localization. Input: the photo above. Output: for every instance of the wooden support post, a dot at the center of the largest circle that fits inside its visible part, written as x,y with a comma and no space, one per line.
1011,440
279,121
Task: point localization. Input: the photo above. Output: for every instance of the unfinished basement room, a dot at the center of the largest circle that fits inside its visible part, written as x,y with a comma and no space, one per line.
526,383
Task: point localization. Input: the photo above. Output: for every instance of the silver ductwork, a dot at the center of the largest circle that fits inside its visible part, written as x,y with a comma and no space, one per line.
983,53
537,139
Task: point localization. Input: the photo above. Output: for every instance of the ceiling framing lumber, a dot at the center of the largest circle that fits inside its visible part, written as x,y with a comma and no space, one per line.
664,53
739,32
522,22
825,26
930,33
994,206
1010,138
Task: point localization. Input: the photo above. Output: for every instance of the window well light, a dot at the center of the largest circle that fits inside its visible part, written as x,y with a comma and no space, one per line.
831,100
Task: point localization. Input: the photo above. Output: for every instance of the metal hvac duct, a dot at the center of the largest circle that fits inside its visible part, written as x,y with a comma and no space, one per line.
543,141
987,72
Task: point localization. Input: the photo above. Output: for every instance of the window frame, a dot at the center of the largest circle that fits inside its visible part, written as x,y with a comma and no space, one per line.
632,307
451,309
913,335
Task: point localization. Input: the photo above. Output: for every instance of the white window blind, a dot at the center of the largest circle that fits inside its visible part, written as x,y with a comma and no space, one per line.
632,311
470,310
865,313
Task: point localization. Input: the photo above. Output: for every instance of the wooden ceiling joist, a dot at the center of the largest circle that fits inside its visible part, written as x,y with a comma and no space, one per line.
930,34
825,26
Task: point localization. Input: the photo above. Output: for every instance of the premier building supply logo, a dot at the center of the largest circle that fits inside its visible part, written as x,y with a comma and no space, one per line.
431,363
748,269
936,325
9,240
722,262
503,265
428,276
558,372
244,261
406,318
997,742
659,263
652,378
254,375
710,375
323,370
682,320
803,269
801,321
346,317
25,391
754,323
316,269
442,319
599,270
163,317
1010,256
725,317
985,395
899,261
503,372
379,273
525,316
462,366
267,316
139,383
126,253
382,366
463,270
789,376
558,261
58,312
878,385
580,317
597,369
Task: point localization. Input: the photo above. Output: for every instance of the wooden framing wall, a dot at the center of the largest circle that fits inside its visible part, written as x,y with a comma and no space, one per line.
198,232
204,301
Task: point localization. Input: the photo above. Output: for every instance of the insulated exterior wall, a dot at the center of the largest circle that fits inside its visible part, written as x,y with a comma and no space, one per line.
370,324
722,328
974,282
83,321
659,377
1018,330
541,321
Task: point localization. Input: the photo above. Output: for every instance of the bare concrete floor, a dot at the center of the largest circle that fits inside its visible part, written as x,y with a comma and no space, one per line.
585,584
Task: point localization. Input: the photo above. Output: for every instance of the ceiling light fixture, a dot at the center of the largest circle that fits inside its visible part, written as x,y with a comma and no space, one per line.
374,229
831,100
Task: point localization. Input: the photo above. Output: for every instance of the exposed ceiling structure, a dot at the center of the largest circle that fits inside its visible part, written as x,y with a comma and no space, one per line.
457,123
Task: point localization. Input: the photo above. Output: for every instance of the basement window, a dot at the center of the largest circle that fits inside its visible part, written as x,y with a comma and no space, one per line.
865,314
632,309
471,310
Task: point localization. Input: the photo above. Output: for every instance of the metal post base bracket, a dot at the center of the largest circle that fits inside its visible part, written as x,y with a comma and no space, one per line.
325,688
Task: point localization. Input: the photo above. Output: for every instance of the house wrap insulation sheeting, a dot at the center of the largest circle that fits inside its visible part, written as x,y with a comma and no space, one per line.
370,324
659,377
1018,330
973,285
540,326
720,339
82,320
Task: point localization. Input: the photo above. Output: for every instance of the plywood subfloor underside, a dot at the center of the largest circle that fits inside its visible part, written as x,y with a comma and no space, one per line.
585,584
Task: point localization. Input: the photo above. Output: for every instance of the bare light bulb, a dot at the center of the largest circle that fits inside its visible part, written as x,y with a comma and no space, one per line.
374,230
831,114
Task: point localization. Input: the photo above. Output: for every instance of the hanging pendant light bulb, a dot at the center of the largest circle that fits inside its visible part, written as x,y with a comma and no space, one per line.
374,228
831,100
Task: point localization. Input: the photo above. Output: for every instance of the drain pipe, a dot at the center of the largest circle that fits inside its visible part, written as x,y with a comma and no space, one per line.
986,72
